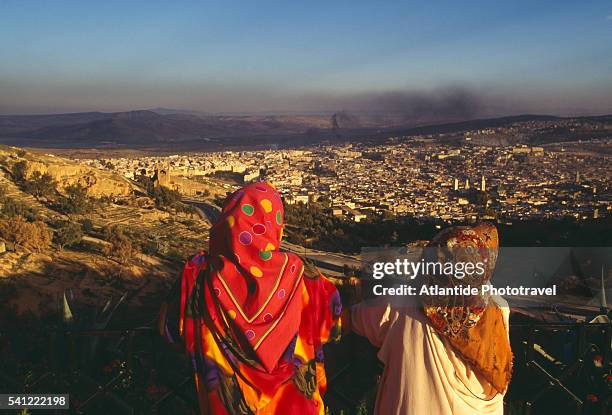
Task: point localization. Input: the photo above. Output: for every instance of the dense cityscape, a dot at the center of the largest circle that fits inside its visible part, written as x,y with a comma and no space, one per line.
407,176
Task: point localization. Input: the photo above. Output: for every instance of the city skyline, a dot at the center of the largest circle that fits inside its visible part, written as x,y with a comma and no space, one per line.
548,57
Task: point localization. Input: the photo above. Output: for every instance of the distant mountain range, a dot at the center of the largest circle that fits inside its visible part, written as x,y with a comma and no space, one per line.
163,127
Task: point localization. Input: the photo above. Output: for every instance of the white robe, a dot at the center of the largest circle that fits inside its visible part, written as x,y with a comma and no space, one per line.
422,375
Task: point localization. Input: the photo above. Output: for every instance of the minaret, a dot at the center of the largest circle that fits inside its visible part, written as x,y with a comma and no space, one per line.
467,184
482,184
456,185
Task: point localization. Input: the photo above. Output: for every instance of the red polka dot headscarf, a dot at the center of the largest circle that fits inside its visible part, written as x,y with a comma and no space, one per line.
252,283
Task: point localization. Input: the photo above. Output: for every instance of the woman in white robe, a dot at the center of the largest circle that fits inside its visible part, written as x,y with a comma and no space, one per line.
430,369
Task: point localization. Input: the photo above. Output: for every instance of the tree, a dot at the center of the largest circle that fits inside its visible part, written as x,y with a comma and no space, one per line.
86,225
31,235
19,171
120,245
108,164
165,197
76,200
480,198
69,234
11,208
40,185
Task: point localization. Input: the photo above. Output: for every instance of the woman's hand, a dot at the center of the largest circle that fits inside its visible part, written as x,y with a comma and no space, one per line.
355,291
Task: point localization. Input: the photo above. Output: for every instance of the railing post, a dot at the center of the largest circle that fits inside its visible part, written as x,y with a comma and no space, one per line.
607,345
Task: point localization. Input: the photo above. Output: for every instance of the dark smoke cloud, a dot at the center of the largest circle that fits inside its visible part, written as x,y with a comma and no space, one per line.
447,103
451,103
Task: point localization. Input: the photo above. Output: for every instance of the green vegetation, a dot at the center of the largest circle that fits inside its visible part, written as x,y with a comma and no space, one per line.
145,181
19,171
373,155
12,208
86,225
40,185
165,197
76,200
313,226
29,225
34,236
68,234
107,164
121,246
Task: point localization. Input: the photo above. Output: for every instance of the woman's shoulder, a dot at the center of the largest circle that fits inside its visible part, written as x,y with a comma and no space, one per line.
500,301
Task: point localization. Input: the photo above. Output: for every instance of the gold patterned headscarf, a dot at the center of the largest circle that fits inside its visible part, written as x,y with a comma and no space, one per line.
454,314
472,325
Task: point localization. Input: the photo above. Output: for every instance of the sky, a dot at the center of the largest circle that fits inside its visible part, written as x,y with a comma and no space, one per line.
509,56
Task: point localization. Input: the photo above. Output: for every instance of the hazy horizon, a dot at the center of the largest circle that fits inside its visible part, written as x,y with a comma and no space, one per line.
467,60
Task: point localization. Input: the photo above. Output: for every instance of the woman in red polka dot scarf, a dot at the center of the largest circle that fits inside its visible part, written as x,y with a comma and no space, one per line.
252,322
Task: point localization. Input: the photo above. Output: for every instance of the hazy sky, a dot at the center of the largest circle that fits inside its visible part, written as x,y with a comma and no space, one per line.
513,55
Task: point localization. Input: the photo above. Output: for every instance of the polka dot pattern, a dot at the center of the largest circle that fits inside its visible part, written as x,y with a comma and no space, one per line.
245,238
259,229
266,205
248,209
256,271
246,242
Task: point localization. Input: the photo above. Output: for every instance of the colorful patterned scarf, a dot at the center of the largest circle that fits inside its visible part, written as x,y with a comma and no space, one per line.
249,289
471,323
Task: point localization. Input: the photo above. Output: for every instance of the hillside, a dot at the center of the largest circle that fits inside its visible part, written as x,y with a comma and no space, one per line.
163,128
105,241
144,127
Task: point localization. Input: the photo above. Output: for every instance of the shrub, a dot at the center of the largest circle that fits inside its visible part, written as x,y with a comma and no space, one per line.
86,225
174,255
145,181
31,235
104,201
18,171
69,234
11,208
165,197
120,245
76,200
149,247
40,185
